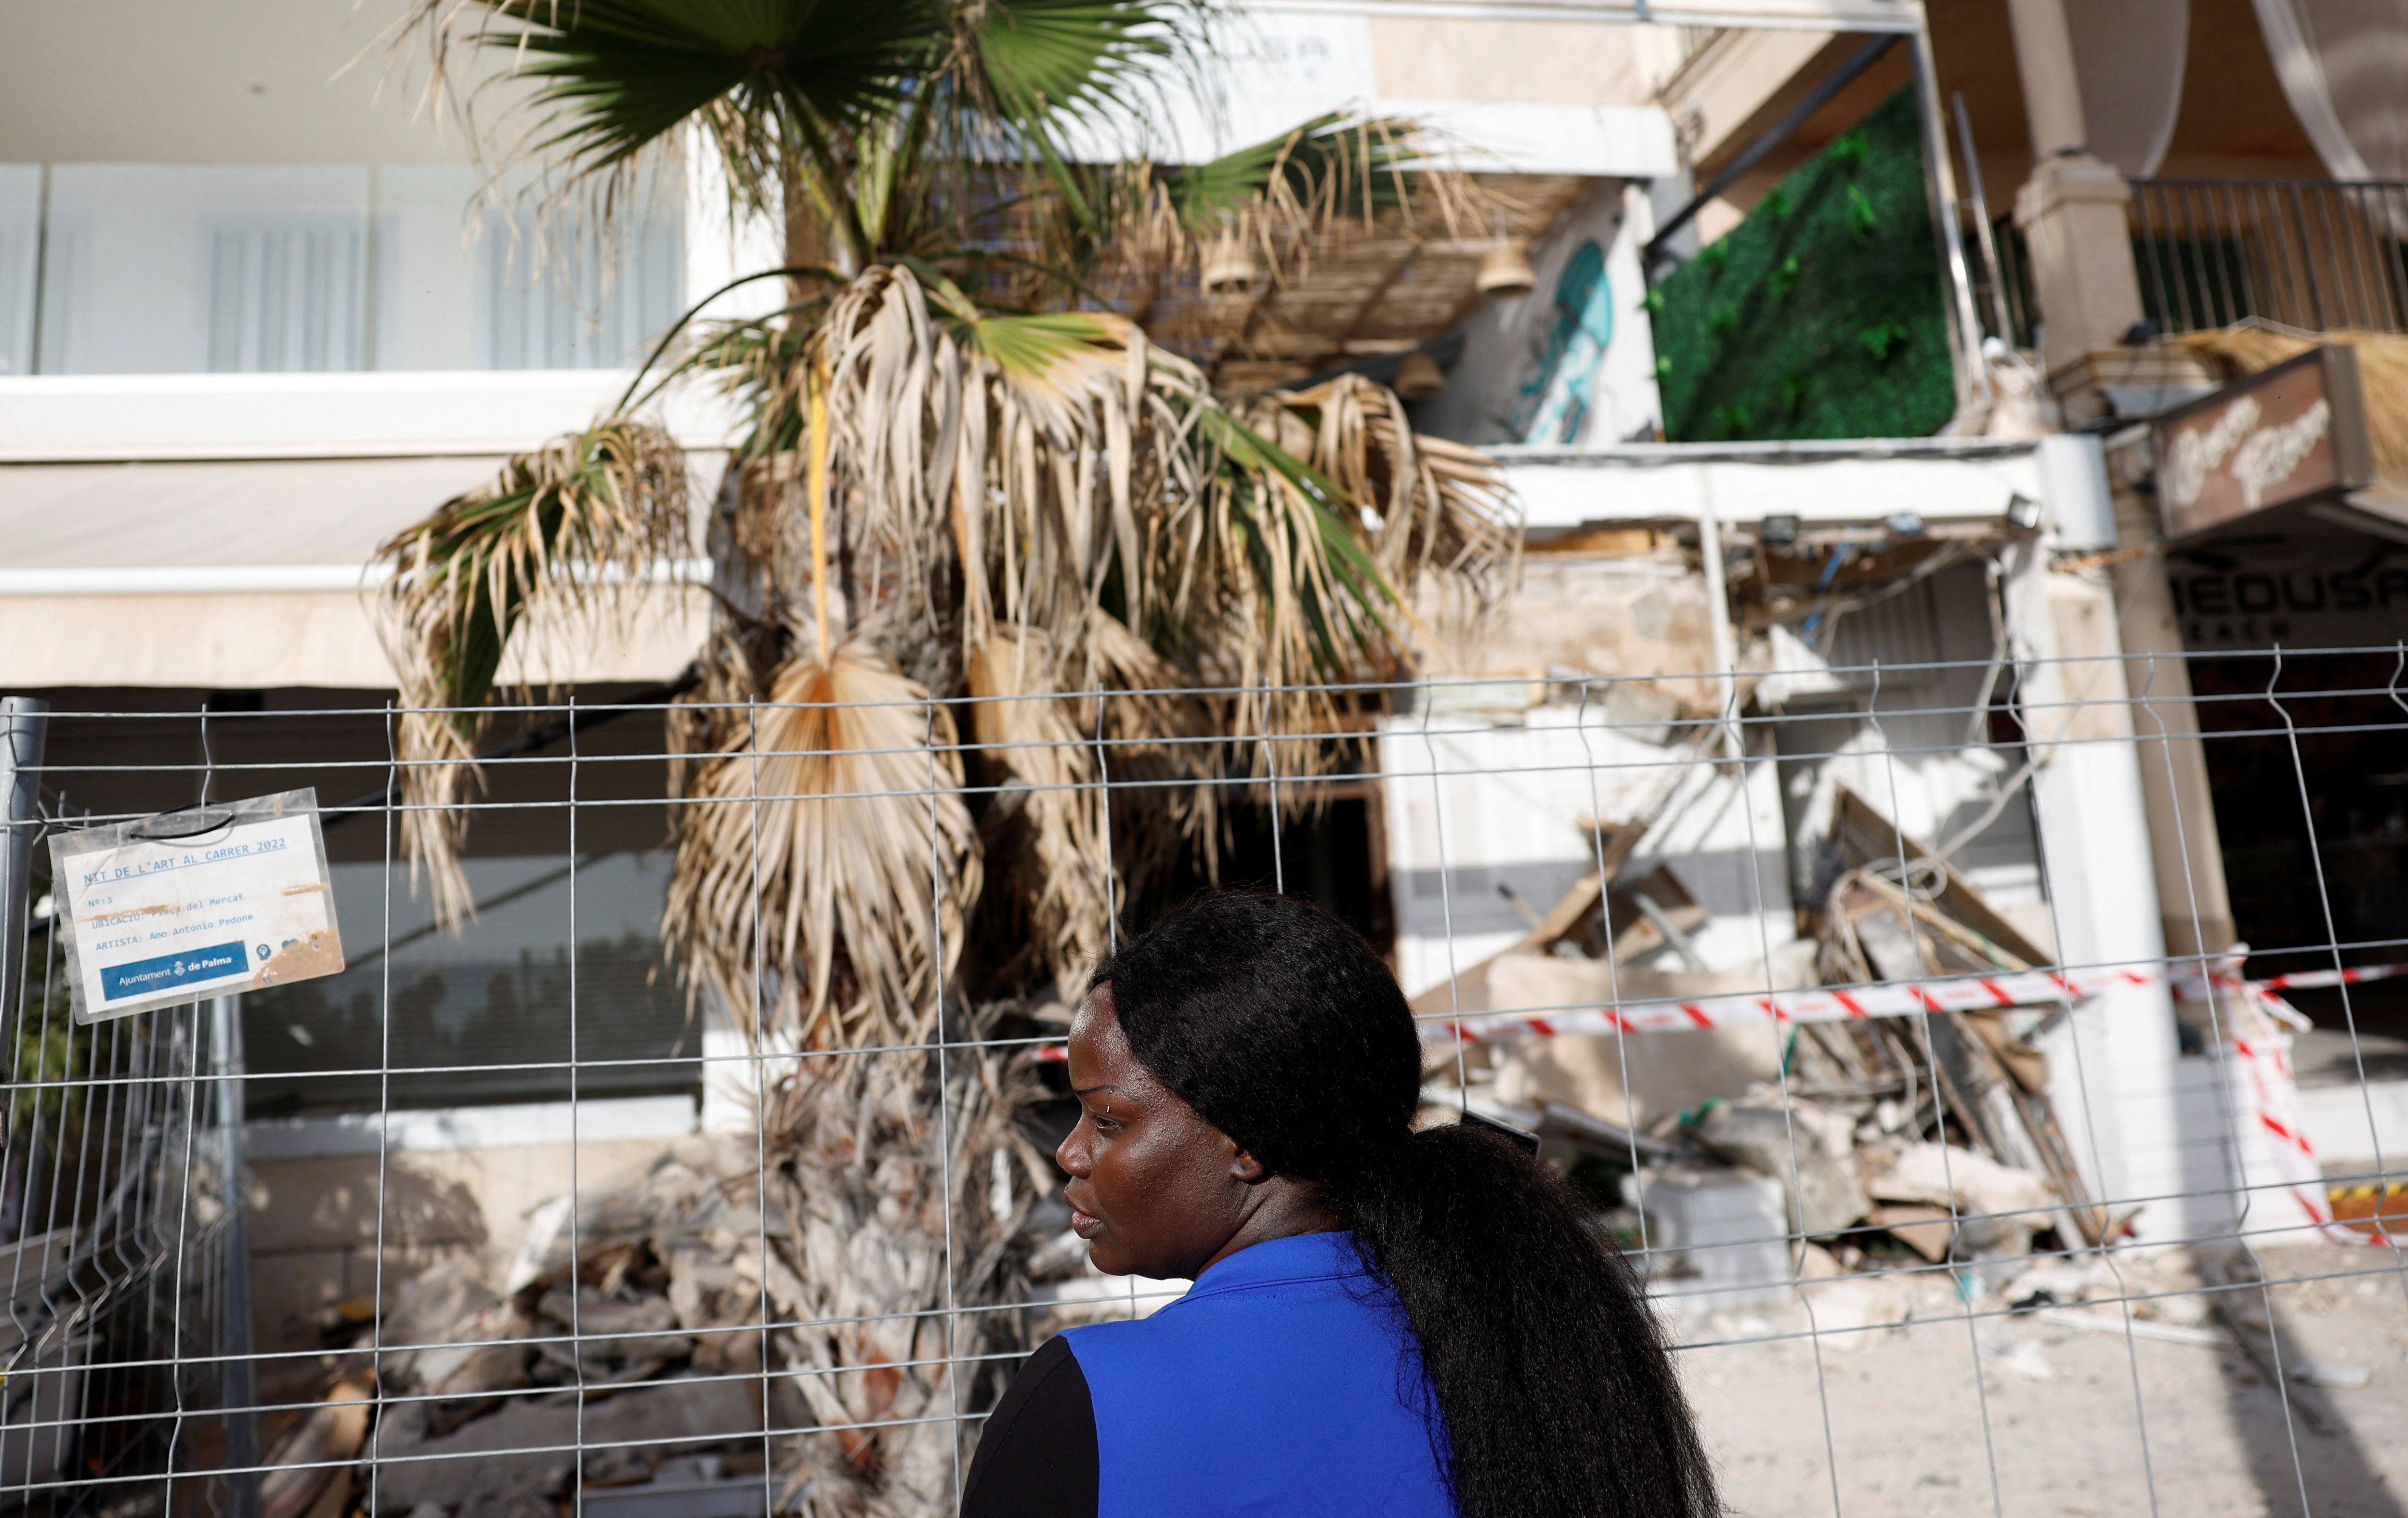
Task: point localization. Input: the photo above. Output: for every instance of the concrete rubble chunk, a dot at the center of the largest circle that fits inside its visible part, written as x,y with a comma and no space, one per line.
522,1453
1941,1175
1804,1146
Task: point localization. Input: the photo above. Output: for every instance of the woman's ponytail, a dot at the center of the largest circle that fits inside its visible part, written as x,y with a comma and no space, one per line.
1557,1392
1284,1030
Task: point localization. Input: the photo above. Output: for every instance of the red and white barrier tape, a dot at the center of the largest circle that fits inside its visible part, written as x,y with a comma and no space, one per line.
1903,999
2258,1033
2259,1030
2352,975
1898,998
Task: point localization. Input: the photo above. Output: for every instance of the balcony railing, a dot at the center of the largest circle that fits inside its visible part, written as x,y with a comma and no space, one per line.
2311,253
2315,255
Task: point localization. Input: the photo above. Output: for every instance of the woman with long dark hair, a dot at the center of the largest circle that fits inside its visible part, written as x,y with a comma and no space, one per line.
1382,1322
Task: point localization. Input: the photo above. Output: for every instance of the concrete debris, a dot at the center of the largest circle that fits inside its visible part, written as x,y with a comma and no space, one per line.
660,1315
1716,1237
2023,1360
1842,1308
446,1307
520,1456
309,1465
666,1291
1988,1211
1945,1175
1927,1230
2062,1282
1681,1069
1800,1144
2100,1321
698,1486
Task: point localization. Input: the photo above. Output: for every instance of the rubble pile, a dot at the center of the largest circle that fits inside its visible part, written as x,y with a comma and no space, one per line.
1877,1144
709,1321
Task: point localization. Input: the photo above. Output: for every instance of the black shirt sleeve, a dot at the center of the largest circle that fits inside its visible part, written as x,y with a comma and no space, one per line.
1037,1458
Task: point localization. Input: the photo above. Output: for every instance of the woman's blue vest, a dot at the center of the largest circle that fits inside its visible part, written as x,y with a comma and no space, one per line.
1286,1381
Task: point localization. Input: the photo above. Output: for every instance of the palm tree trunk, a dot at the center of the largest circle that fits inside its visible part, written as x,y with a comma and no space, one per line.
809,244
898,1209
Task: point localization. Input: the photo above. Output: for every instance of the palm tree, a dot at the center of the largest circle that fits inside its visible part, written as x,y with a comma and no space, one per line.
967,471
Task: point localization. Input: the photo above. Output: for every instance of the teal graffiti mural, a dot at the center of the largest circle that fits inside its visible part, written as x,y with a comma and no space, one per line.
1553,403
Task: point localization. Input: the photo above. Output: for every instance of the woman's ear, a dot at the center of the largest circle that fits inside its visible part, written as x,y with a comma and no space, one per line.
1245,1166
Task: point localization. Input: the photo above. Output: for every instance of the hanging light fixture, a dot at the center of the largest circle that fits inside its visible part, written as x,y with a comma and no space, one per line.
1230,266
1505,269
1419,377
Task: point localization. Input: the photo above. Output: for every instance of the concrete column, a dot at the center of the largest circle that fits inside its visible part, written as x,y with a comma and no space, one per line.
2072,209
2052,84
2113,1064
2188,852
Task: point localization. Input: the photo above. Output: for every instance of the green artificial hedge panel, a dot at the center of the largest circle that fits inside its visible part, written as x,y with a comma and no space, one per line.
1822,314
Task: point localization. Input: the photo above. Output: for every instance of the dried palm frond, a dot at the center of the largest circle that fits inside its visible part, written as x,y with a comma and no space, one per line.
1441,507
1115,528
2382,369
826,860
1136,228
1026,730
1277,590
570,533
1158,746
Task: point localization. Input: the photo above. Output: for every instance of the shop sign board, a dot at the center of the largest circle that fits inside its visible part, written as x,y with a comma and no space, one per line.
2294,433
207,901
2312,589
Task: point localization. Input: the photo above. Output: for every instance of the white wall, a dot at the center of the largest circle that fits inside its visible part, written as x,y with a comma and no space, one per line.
209,81
277,417
147,264
1274,67
1472,804
1849,480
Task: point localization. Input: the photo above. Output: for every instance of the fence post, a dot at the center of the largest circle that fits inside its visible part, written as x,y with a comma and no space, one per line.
25,723
237,1383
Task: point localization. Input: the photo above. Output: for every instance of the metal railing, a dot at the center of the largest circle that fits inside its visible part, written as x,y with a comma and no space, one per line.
2012,279
2310,253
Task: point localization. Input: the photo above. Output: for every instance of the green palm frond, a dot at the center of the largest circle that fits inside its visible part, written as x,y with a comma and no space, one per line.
616,76
1338,164
862,110
1047,63
1041,348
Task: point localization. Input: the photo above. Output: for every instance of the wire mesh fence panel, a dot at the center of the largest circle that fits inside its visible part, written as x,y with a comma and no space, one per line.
703,1165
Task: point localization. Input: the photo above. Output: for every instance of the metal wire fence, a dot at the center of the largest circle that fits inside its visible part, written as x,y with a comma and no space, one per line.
1848,1001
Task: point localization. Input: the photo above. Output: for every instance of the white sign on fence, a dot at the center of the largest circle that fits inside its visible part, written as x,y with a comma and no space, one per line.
201,902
